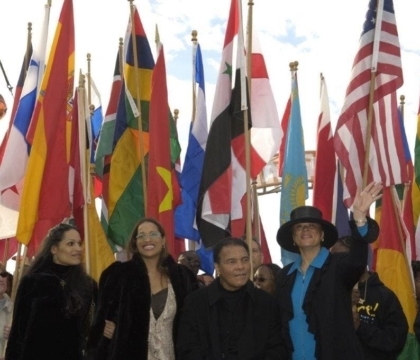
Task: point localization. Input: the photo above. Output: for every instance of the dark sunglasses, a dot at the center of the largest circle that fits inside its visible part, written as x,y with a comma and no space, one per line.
4,274
260,279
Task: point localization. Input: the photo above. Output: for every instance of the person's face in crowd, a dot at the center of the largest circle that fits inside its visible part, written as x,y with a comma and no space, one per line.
264,280
191,261
69,250
307,235
3,283
149,240
338,247
257,255
207,279
234,267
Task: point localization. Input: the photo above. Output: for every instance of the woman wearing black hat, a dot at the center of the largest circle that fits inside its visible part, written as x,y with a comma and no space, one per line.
314,291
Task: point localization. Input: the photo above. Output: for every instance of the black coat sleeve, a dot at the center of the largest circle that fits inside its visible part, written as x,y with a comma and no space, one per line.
189,345
97,344
21,315
276,343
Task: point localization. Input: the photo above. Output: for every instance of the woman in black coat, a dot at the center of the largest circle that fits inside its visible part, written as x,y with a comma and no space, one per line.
139,300
50,318
314,291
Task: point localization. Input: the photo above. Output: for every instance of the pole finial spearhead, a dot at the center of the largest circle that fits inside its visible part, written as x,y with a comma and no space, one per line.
194,34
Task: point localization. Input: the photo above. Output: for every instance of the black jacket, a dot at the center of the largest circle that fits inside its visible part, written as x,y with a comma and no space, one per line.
383,326
200,330
40,328
327,302
125,298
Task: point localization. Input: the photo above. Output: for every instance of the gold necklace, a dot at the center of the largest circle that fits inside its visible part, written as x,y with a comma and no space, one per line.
362,301
62,281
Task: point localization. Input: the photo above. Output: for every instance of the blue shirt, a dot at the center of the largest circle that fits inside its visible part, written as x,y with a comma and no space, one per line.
304,341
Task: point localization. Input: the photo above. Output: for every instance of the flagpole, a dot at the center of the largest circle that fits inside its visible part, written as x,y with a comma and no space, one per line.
89,89
194,40
28,49
406,185
90,168
18,262
81,94
256,210
405,194
245,109
139,117
379,12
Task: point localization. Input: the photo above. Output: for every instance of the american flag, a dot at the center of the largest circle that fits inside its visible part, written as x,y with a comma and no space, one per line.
378,59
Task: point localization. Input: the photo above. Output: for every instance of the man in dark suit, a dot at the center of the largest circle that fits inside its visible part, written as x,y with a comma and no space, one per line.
230,318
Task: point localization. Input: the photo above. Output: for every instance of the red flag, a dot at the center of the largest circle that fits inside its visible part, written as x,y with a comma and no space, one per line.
391,259
161,175
378,56
266,133
284,126
45,198
324,191
18,92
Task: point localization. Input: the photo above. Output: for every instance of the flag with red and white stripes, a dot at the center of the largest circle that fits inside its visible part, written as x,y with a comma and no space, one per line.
325,164
379,60
266,133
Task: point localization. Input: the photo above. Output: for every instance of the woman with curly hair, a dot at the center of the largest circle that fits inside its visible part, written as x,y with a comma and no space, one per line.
53,300
140,300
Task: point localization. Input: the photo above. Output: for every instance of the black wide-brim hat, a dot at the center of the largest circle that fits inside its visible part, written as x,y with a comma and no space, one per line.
305,214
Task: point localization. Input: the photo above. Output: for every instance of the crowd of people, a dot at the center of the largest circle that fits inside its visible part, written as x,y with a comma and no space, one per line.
325,305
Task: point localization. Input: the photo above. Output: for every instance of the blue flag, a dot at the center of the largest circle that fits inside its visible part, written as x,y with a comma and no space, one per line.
194,159
294,190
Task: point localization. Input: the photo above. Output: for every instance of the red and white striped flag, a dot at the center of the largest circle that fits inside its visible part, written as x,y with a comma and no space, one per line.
378,59
324,194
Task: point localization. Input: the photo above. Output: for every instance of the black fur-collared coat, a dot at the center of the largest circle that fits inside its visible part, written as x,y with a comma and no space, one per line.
41,328
125,298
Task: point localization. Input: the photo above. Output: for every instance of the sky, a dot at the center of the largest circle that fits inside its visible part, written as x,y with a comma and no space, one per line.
321,35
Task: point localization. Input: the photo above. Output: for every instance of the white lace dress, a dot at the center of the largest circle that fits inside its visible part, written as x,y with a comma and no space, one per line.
161,345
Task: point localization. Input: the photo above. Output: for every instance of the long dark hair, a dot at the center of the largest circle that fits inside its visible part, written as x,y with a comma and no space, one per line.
132,244
78,284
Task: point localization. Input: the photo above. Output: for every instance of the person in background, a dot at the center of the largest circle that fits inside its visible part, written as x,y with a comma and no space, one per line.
378,316
6,310
314,291
191,260
53,300
265,277
140,300
256,252
231,318
205,279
